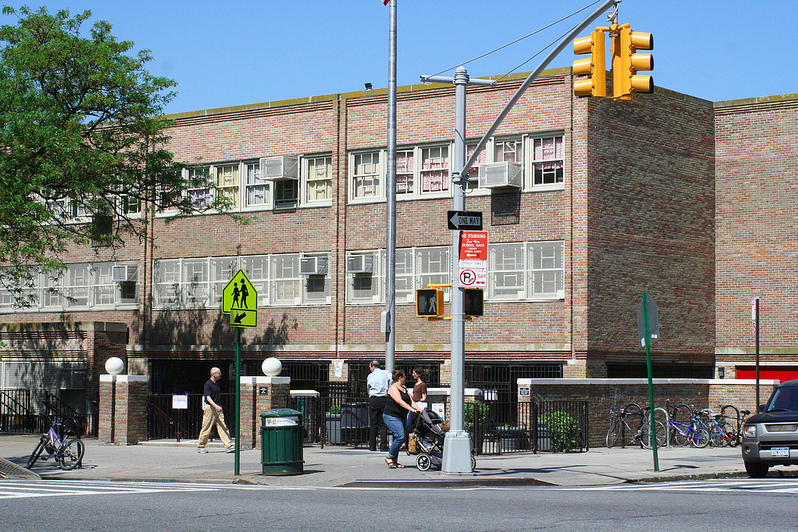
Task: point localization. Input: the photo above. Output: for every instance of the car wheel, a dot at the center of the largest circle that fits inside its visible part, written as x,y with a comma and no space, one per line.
756,469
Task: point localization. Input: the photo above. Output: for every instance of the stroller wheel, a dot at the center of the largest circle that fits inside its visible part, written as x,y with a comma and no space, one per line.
473,463
423,462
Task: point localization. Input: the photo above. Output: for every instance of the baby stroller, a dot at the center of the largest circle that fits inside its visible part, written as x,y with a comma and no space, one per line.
429,436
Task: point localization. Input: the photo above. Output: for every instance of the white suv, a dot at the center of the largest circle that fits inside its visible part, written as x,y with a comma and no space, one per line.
771,437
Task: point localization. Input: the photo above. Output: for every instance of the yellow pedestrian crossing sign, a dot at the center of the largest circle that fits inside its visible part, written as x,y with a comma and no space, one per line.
240,300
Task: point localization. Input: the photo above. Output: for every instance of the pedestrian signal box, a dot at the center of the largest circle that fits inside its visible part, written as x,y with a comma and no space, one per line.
472,302
429,302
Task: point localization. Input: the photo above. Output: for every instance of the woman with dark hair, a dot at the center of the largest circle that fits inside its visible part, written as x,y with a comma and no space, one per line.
419,395
395,414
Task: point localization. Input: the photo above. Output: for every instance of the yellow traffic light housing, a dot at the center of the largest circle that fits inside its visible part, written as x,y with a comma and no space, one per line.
473,302
429,302
626,62
593,66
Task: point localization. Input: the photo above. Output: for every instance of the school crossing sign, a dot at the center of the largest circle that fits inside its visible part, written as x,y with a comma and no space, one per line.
240,300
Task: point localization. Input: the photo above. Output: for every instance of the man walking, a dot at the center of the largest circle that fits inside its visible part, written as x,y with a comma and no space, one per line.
378,382
213,415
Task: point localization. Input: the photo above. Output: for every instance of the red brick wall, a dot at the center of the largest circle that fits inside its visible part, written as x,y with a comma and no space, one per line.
650,226
757,142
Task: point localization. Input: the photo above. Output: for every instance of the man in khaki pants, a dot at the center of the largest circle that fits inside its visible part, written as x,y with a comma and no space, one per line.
212,414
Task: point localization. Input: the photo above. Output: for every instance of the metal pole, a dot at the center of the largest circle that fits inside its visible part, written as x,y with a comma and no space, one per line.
652,426
238,401
756,312
457,445
389,316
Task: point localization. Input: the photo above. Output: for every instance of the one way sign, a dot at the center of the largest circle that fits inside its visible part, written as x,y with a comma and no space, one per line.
465,220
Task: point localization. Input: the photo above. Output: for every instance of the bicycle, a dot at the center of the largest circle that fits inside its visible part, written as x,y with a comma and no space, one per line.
740,416
645,430
634,421
62,442
721,432
620,425
687,433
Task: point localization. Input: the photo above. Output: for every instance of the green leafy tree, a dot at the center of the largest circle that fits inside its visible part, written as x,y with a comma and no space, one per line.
83,144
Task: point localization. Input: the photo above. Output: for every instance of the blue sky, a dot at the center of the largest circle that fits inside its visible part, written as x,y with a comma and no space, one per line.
237,52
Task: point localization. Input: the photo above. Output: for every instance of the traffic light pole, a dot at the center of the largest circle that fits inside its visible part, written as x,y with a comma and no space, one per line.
457,445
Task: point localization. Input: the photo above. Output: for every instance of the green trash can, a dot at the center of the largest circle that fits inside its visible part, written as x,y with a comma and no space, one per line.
281,442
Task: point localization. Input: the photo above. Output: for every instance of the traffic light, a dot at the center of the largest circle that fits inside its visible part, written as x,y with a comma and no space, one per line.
593,66
429,302
472,302
626,62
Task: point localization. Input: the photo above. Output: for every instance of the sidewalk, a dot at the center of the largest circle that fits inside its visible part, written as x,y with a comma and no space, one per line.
348,466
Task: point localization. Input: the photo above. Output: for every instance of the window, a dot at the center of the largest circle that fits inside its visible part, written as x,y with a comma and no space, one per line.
508,150
286,194
366,175
547,157
200,282
506,271
523,271
228,182
200,197
546,270
78,287
404,172
415,268
257,191
473,172
435,169
318,172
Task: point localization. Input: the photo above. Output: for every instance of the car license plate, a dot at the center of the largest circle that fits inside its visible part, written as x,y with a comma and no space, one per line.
780,452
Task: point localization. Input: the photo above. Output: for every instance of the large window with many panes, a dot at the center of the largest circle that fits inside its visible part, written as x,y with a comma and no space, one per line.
278,279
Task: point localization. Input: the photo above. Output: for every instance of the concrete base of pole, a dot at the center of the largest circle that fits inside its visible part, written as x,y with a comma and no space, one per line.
457,453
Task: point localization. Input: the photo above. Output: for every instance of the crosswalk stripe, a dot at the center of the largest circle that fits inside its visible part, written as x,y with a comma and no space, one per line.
49,488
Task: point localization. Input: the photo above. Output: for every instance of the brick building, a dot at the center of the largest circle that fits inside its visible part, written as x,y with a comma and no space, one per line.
592,203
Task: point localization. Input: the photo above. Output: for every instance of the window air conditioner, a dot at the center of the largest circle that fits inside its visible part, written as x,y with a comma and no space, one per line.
360,263
281,167
122,273
313,266
503,174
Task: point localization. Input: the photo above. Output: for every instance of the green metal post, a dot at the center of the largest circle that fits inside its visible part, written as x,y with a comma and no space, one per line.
238,400
653,433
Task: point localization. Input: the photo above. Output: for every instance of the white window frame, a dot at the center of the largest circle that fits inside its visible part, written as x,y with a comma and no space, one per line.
535,159
275,277
415,268
254,183
366,176
81,286
313,178
536,271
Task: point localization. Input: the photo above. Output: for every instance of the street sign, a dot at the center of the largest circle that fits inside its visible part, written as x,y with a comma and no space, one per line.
465,220
473,259
649,311
240,300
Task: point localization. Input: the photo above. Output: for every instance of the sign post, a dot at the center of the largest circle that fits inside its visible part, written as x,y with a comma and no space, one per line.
240,300
648,325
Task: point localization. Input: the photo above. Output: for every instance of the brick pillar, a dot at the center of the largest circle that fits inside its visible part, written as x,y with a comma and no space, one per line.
259,395
123,409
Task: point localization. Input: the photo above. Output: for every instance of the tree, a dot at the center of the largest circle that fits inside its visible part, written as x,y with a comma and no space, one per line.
83,144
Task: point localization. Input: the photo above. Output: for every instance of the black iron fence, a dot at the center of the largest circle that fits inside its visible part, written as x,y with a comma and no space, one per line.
337,416
29,411
502,427
169,420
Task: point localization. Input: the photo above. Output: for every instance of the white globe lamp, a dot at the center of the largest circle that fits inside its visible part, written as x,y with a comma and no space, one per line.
271,367
114,365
